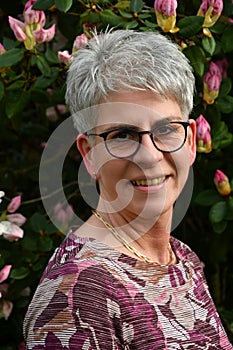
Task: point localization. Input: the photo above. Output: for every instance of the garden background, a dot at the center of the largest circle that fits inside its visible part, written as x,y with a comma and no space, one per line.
36,48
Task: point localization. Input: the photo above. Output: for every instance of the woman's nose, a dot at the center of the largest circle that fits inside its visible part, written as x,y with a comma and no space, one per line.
148,153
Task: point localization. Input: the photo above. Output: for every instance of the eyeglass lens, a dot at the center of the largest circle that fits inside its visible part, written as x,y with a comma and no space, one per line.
125,142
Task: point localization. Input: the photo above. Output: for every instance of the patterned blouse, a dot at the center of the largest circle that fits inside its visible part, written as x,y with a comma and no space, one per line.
92,297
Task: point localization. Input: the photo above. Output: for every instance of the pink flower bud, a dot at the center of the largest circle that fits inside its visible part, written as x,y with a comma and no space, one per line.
18,28
167,7
4,272
2,49
10,231
203,136
34,17
80,42
217,6
44,35
6,308
64,57
28,4
213,77
17,219
51,114
14,204
222,183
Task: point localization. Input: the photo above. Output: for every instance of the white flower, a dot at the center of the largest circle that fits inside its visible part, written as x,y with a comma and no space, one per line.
2,194
10,231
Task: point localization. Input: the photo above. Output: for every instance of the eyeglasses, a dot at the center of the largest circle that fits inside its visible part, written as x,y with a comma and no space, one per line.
125,142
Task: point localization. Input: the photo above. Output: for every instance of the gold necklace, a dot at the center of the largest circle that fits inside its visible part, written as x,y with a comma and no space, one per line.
129,247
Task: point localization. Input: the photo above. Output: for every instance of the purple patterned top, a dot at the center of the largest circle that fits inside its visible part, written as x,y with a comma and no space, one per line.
92,297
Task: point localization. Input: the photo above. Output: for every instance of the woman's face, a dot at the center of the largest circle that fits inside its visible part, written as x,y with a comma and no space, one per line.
148,182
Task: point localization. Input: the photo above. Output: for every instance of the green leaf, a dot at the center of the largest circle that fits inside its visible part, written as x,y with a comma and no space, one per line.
221,136
209,44
125,14
11,57
51,56
151,24
225,104
15,103
44,82
197,58
110,18
43,4
43,66
136,5
190,25
219,227
218,212
207,198
226,40
63,5
1,90
131,24
38,222
225,88
19,273
17,85
45,244
40,96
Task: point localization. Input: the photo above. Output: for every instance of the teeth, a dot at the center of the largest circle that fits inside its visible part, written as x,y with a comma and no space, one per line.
152,182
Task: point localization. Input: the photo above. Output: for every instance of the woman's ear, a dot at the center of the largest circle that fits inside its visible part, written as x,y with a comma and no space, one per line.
85,148
192,140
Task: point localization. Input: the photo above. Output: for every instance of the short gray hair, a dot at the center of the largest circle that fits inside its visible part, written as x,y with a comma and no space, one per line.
127,59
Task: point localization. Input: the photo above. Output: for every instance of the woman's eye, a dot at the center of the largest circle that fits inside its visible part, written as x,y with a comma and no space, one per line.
164,130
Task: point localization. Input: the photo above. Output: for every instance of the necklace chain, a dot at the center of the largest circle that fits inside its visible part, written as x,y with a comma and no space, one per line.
129,247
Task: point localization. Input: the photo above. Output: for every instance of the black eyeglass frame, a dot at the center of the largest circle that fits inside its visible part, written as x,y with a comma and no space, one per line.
105,134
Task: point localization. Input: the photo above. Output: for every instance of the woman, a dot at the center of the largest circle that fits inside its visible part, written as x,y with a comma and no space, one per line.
121,281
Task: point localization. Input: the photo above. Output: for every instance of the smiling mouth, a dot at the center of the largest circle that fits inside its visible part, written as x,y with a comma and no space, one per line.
149,182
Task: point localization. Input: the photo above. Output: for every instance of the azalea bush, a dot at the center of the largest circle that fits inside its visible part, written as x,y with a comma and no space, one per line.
37,43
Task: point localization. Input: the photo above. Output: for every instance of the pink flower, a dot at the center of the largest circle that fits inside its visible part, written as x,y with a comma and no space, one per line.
167,7
211,10
63,215
31,31
165,11
64,57
17,219
14,204
18,28
212,82
10,231
222,183
44,35
6,308
217,6
203,136
80,42
4,272
2,49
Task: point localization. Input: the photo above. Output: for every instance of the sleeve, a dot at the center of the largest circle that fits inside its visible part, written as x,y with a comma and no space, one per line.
76,311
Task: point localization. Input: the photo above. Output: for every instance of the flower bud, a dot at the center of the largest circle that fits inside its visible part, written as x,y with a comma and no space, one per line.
10,231
4,273
222,183
17,219
211,10
44,35
2,49
203,136
18,28
165,11
14,204
223,66
212,82
64,57
80,42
